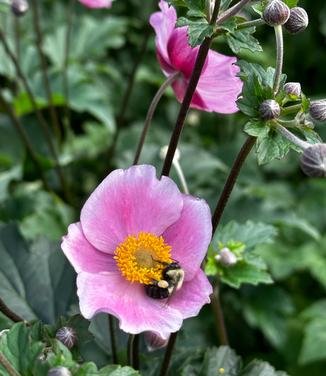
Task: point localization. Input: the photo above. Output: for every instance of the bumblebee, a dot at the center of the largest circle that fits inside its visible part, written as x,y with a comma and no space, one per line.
173,277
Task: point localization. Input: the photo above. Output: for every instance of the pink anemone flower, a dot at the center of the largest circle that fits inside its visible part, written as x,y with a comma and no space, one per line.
96,3
218,87
131,227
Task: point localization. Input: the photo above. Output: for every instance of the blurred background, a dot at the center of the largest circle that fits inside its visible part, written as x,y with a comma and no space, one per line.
283,323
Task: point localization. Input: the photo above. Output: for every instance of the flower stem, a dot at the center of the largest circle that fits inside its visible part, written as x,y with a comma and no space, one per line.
231,11
133,351
44,68
291,109
21,131
113,340
219,317
151,111
181,176
65,82
195,76
253,23
38,113
7,366
291,137
231,180
168,354
9,313
279,58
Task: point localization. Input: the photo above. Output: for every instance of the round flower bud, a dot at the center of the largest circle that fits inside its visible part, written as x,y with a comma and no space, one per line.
313,161
67,336
317,110
19,7
276,13
269,110
226,257
293,89
298,21
59,371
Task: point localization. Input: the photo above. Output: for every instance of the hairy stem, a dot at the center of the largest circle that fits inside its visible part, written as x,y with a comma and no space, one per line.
151,111
23,135
292,138
195,76
231,180
292,109
113,340
44,68
279,58
168,354
181,176
219,317
38,113
7,366
9,313
231,11
253,23
65,81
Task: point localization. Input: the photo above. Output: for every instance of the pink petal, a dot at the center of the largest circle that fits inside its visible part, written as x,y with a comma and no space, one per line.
219,86
180,87
190,235
82,255
193,296
96,3
137,313
182,56
163,23
128,202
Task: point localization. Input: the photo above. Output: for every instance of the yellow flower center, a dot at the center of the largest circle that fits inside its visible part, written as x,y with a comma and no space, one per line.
142,258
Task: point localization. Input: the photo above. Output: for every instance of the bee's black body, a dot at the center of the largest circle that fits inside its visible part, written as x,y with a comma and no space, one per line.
156,292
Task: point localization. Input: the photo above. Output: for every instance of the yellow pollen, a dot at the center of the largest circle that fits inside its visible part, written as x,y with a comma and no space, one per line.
142,258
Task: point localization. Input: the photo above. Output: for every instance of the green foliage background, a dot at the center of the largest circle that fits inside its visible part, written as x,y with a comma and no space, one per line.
283,323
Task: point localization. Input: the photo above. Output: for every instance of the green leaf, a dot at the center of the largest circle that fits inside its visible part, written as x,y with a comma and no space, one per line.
291,3
256,128
36,281
243,39
221,361
314,342
198,30
259,368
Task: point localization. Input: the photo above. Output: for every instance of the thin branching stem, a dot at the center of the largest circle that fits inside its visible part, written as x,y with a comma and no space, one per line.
252,23
292,137
24,137
231,180
151,111
231,11
38,113
291,109
168,354
65,79
219,317
279,58
113,340
7,366
44,68
184,108
9,313
133,350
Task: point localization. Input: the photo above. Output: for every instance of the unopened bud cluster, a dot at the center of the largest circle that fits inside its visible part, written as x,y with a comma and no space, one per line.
298,21
19,7
59,371
67,336
317,110
226,257
276,13
293,89
313,161
269,110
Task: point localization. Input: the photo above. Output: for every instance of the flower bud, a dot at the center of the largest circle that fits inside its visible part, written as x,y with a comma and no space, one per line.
19,7
313,161
67,336
59,371
276,13
226,257
293,89
298,21
269,110
154,341
317,110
